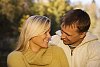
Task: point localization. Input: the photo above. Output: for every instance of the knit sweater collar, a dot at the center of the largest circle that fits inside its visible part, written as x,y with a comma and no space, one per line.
43,57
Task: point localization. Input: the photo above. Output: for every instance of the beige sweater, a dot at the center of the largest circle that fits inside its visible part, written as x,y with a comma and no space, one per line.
50,57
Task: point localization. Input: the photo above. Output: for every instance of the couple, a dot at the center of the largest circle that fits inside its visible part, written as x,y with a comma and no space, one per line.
81,48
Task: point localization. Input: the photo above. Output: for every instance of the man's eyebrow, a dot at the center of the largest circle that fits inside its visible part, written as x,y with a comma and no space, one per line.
65,32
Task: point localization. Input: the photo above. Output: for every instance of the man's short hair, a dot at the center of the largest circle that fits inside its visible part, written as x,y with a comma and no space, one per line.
78,17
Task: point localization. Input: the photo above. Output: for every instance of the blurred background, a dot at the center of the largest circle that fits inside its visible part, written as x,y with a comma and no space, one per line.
13,14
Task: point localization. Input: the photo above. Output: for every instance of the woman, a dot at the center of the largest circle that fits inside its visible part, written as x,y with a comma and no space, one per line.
33,49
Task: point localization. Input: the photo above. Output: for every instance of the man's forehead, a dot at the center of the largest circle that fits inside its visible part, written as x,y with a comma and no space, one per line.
69,26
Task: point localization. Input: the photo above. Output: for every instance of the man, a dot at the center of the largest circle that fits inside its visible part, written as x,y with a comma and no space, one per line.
81,47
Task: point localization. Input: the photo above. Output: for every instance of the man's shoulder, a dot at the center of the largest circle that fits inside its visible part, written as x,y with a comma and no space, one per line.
94,44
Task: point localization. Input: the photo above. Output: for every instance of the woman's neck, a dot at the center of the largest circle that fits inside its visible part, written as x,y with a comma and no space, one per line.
34,47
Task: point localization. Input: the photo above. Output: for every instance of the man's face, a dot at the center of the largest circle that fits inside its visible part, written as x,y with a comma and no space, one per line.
70,35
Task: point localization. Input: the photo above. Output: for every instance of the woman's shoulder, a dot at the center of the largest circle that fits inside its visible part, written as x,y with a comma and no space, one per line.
14,54
15,59
55,47
57,50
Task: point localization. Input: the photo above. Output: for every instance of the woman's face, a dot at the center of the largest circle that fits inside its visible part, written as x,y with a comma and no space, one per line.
42,40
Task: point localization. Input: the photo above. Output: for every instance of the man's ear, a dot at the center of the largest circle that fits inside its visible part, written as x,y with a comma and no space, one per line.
82,34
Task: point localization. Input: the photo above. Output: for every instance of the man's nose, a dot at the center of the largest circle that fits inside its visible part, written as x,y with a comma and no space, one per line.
62,36
49,36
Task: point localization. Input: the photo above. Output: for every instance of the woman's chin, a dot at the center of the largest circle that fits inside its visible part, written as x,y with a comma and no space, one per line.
45,46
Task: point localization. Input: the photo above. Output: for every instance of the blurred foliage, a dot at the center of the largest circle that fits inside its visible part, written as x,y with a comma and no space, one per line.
11,12
23,19
92,14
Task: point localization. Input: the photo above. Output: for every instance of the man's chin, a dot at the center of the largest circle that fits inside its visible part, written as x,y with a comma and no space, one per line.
66,43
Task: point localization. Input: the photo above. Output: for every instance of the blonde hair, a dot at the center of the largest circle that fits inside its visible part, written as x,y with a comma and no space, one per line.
34,26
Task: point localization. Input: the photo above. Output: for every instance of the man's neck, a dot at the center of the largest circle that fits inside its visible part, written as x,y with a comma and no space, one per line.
77,43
